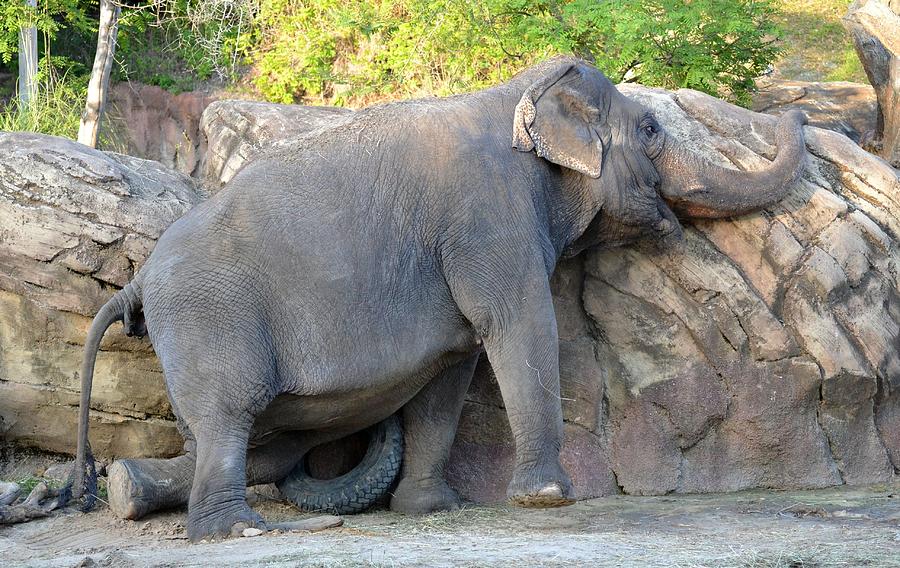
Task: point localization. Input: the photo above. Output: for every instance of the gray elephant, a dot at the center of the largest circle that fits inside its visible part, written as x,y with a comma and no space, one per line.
364,268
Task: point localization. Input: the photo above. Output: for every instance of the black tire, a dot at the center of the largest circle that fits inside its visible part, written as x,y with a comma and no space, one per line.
358,489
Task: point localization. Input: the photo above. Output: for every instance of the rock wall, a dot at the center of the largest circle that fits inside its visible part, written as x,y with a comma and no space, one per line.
149,122
761,352
74,225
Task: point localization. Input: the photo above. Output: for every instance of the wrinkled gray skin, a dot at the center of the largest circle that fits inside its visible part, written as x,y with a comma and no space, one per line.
365,269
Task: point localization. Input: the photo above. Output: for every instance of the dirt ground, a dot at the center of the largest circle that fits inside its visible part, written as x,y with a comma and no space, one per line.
835,527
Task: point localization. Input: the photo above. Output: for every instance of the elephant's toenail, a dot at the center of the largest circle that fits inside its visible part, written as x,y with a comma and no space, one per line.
551,490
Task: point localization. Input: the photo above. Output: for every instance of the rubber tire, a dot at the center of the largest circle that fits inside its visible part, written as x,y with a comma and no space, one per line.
359,488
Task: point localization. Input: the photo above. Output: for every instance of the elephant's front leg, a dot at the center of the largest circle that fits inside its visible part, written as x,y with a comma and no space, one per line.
522,346
429,423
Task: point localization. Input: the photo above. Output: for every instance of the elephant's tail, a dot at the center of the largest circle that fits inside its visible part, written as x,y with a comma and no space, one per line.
126,306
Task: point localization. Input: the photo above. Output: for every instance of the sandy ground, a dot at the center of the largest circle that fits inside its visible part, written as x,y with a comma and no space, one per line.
839,527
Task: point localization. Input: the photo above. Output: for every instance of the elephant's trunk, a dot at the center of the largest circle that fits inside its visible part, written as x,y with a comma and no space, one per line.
695,187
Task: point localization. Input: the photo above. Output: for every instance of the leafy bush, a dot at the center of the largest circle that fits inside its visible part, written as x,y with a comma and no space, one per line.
48,17
354,50
177,43
56,108
358,51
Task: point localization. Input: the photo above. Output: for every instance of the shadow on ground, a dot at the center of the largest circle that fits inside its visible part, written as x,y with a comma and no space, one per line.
838,527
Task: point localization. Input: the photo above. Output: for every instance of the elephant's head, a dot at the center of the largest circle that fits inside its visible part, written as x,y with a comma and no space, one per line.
621,165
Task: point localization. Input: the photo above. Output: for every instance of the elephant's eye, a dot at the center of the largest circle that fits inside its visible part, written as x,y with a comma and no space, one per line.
649,128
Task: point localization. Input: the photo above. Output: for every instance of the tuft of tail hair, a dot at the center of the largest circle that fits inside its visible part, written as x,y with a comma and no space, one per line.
88,484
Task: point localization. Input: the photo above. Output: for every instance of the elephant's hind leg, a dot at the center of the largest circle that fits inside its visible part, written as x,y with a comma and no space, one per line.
218,506
217,394
429,422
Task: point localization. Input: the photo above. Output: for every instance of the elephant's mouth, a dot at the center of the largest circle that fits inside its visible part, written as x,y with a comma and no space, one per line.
667,225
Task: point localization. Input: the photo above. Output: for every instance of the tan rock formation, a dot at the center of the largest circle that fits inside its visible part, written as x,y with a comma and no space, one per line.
74,225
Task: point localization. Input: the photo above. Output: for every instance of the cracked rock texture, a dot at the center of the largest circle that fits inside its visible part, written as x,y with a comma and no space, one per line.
764,351
74,225
236,130
761,352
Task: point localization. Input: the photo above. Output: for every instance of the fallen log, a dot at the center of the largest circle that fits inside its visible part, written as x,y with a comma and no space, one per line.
40,503
9,492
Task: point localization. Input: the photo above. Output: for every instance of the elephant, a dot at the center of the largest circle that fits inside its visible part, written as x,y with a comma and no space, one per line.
360,270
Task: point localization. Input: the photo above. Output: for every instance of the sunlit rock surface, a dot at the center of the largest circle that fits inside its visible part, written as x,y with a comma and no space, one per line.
761,352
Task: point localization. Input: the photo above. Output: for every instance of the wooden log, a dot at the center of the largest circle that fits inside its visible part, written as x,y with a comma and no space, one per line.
875,27
40,503
9,492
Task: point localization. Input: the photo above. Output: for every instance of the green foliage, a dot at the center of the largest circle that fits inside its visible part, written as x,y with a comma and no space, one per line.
28,483
176,44
61,81
154,51
56,110
49,16
359,51
354,49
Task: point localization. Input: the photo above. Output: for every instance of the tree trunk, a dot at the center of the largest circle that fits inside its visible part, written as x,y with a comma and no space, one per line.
875,27
89,130
27,61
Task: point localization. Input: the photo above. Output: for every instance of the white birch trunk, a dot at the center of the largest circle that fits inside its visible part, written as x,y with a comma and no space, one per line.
89,130
27,62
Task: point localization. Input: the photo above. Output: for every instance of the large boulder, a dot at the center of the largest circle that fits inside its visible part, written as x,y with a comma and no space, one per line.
75,223
842,106
236,130
761,352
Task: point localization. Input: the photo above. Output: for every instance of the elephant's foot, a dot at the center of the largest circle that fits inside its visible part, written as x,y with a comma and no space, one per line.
414,497
139,487
541,487
220,522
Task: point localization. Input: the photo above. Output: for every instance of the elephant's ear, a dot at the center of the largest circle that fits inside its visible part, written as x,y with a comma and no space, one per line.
556,120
